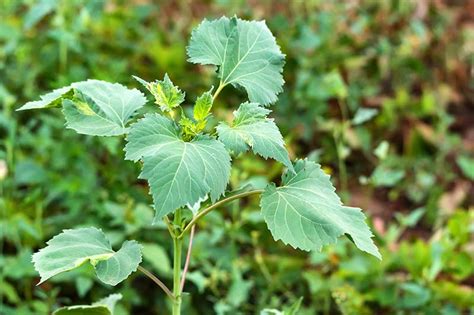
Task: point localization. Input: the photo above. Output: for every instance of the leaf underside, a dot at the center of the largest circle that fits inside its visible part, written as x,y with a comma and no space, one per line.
246,53
179,173
252,128
72,248
306,212
94,107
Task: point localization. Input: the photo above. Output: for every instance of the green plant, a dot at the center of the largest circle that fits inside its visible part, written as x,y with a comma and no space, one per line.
187,158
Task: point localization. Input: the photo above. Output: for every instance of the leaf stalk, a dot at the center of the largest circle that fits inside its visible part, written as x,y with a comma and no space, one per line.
215,205
157,281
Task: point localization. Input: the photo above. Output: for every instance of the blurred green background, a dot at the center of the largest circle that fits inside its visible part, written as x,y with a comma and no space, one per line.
381,93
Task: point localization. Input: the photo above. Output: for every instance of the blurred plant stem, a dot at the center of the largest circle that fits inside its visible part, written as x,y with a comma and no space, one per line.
339,143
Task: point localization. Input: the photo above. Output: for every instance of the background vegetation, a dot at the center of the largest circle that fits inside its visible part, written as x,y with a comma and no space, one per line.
381,93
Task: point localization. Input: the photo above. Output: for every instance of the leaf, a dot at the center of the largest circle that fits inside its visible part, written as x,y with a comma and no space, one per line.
106,109
83,310
94,107
110,301
466,164
166,94
72,248
103,307
306,212
363,115
179,173
252,128
246,53
203,106
51,99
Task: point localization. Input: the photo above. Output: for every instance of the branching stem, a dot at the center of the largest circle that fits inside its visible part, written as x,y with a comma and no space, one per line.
217,204
219,89
157,281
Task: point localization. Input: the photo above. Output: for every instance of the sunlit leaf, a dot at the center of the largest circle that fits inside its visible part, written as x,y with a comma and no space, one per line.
72,248
246,53
251,128
179,173
306,212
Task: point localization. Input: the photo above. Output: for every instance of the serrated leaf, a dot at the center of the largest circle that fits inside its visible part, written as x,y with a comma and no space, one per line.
103,307
203,106
51,99
178,172
246,53
106,109
252,128
166,94
72,248
94,107
306,212
119,266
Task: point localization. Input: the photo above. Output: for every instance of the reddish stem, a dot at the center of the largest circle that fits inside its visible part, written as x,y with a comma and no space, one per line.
188,257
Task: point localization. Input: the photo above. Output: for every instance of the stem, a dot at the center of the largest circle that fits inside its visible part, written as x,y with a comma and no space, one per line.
177,247
339,142
188,258
157,281
217,204
168,225
219,89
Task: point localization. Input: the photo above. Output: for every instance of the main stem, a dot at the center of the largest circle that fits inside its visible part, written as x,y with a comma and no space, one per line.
177,248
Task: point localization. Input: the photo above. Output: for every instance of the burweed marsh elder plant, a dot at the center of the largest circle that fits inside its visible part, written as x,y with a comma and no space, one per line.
187,162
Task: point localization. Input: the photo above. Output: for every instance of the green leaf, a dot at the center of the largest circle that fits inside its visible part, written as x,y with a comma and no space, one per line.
246,53
203,106
179,173
306,212
94,107
83,310
466,164
105,109
72,248
166,94
103,307
51,99
252,128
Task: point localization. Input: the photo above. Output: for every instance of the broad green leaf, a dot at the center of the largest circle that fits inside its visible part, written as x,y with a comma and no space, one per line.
94,107
166,94
149,135
119,266
51,99
105,110
252,128
72,248
246,53
179,173
103,307
306,212
203,106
